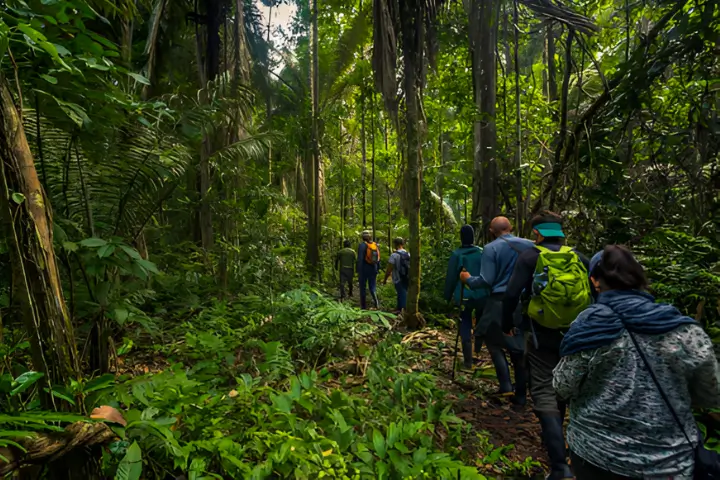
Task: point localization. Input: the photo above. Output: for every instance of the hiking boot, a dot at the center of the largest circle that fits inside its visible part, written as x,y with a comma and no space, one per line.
564,474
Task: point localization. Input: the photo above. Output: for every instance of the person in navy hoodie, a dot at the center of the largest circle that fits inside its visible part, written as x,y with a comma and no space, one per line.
620,424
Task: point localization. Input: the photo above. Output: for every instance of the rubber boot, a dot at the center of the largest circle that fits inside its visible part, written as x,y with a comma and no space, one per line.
467,351
554,440
376,301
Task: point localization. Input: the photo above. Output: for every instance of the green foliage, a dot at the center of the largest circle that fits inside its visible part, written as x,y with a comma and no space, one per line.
685,271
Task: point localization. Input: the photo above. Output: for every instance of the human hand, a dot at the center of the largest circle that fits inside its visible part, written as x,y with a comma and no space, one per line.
511,333
464,275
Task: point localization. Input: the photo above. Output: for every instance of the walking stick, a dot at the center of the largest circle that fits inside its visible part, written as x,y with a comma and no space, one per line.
457,337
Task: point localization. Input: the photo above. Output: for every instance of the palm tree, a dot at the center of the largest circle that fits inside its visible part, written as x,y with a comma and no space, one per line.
411,24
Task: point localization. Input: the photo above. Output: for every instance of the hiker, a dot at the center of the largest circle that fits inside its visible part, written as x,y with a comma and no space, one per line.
498,261
621,425
468,257
368,266
345,264
556,279
399,268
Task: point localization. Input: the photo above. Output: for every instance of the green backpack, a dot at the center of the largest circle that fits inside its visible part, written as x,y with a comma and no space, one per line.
560,288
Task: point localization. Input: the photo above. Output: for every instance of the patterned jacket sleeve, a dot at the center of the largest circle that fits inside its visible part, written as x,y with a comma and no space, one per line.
569,374
704,381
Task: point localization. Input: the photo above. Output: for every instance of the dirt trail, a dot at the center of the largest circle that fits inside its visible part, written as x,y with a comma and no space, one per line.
516,432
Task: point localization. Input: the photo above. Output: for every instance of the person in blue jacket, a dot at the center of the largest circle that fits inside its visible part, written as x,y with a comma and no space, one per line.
469,258
498,262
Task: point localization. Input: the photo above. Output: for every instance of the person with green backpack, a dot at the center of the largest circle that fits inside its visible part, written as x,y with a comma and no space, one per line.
467,258
555,278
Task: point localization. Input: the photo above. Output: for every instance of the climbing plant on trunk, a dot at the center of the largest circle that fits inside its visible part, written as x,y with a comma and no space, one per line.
29,228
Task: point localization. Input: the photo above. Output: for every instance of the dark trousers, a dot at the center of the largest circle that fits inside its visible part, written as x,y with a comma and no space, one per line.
346,278
368,281
585,470
543,355
500,346
401,288
542,358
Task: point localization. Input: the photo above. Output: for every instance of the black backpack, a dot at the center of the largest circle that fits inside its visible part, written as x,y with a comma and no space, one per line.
403,267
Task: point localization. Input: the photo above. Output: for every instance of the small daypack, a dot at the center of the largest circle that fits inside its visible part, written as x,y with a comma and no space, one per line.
372,253
560,288
403,266
470,260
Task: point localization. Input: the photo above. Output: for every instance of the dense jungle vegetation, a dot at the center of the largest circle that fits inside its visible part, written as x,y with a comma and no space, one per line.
177,175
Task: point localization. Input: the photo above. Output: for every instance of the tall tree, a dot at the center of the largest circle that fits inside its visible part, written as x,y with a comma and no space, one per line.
26,212
483,38
412,24
314,219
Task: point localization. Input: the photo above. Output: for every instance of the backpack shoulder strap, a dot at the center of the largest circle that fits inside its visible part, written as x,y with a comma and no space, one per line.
543,249
660,390
510,245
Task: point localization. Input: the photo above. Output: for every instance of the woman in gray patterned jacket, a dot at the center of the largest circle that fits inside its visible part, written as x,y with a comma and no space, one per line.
620,427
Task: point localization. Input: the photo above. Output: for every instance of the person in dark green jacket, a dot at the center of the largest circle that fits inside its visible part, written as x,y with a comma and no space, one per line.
345,264
468,257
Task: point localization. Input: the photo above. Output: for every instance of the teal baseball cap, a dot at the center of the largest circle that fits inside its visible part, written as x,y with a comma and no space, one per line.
550,230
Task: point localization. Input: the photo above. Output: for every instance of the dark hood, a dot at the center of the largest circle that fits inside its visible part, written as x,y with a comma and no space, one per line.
467,235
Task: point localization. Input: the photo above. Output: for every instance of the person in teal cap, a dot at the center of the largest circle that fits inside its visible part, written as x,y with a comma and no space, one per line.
543,348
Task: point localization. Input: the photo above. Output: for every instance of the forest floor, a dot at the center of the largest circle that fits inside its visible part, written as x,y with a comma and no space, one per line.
513,433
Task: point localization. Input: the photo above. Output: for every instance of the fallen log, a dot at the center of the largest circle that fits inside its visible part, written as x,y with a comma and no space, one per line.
43,448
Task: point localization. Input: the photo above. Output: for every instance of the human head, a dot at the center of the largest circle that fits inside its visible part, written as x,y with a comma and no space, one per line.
500,226
347,244
366,236
467,235
398,243
547,226
615,268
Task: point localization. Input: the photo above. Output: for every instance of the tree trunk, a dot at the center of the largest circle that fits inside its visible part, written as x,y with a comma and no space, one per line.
363,173
29,219
552,90
519,208
315,204
483,35
412,28
372,166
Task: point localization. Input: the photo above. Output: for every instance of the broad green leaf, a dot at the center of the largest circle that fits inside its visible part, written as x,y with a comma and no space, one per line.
93,242
18,197
379,444
131,252
99,383
106,250
130,467
120,315
49,79
62,396
25,381
70,246
139,78
147,265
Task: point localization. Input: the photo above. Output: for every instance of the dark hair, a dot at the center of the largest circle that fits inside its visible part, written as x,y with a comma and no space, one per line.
546,217
619,270
398,242
347,243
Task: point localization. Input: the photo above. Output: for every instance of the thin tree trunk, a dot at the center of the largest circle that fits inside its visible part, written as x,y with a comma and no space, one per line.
314,206
519,210
29,218
372,166
412,28
559,148
363,173
552,90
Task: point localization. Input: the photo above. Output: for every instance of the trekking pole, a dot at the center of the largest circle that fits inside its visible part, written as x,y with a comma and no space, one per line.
457,337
